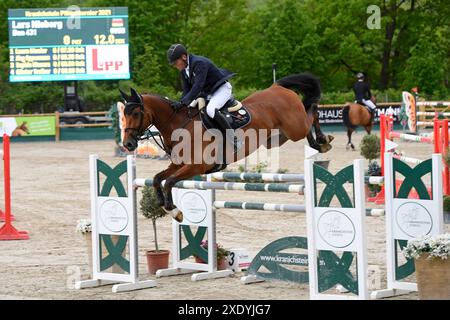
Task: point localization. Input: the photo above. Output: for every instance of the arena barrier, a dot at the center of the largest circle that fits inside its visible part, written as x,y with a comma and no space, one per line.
7,231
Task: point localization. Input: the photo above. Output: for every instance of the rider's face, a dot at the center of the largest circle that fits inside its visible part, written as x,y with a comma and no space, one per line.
181,63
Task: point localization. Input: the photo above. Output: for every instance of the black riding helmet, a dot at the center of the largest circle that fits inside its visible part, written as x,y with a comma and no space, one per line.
175,52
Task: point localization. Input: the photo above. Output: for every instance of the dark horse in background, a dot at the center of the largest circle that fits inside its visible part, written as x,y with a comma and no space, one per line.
354,115
277,107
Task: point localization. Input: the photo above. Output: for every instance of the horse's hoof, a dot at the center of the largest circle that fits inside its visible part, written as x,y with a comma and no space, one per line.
176,214
324,139
179,217
325,148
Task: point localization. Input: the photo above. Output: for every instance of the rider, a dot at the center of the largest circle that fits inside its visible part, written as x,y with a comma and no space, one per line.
362,92
202,78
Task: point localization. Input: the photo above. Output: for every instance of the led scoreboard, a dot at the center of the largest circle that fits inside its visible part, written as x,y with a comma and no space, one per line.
68,44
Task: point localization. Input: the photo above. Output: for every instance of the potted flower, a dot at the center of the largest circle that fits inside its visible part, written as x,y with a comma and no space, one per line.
370,149
222,255
432,262
84,226
156,259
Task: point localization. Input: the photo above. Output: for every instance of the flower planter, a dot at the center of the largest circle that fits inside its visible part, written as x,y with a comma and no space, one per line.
157,260
433,278
221,264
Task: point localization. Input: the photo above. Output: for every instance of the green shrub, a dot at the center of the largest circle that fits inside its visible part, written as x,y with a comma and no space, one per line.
446,203
151,210
374,170
370,147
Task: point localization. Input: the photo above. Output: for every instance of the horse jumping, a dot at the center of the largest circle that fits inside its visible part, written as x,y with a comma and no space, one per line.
355,115
277,107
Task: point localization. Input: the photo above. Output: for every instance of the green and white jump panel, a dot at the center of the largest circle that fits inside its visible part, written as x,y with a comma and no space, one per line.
407,219
114,228
198,217
336,229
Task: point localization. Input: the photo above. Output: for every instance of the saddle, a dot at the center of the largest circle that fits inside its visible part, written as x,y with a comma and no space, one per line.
371,111
236,114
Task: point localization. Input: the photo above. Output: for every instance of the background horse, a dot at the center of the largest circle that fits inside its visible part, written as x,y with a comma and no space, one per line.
354,115
21,130
276,107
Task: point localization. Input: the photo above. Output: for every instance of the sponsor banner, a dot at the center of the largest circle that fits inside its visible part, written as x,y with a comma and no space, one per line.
410,108
28,126
107,59
333,115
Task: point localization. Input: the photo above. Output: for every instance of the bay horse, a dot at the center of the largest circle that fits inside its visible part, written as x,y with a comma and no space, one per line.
277,107
354,115
21,130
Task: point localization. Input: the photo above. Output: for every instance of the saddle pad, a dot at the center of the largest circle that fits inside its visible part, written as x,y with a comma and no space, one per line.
238,119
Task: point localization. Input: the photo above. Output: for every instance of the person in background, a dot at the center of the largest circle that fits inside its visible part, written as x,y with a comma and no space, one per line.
362,92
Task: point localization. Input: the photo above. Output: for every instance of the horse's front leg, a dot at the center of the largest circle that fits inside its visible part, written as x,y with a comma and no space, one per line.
158,178
185,172
321,138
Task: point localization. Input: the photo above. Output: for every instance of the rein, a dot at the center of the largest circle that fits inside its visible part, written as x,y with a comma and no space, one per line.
149,133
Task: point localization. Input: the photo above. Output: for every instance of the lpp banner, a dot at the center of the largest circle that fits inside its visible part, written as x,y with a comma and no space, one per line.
107,60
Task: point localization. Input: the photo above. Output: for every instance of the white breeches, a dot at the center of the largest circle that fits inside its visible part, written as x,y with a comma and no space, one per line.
218,99
369,103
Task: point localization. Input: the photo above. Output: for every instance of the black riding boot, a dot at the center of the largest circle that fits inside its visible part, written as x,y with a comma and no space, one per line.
226,127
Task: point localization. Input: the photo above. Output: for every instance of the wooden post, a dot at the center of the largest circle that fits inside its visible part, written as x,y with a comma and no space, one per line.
57,128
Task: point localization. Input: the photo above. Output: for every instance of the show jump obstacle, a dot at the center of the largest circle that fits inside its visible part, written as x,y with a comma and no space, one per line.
410,104
333,256
407,219
7,231
114,217
439,140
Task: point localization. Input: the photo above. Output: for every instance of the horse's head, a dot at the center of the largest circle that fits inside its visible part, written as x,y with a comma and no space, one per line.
24,127
135,123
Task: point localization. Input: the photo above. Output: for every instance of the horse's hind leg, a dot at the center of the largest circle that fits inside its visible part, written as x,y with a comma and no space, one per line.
275,141
349,143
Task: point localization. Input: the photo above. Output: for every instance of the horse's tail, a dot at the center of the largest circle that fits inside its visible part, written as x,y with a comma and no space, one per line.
306,83
346,118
